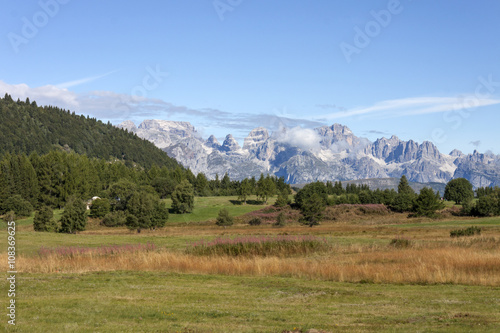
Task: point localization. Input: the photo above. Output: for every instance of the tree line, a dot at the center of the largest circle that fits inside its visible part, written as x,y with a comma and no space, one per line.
64,179
313,198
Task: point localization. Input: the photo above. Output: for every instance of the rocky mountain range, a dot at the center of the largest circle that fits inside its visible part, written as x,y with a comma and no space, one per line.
325,153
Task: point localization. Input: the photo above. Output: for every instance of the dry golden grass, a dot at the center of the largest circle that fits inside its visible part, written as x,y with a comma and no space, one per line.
473,262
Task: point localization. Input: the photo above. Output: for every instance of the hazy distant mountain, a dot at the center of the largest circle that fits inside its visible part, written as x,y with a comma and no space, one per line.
325,153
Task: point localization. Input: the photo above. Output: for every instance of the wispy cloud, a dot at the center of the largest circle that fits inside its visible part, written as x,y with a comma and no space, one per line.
415,106
116,107
476,143
78,82
377,132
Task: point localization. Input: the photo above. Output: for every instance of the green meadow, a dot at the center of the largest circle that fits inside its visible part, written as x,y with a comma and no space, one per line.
166,299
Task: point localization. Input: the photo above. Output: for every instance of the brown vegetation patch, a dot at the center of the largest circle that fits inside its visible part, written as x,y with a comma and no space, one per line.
353,263
270,214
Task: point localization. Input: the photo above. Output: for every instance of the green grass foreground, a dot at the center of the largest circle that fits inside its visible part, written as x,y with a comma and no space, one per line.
207,208
167,302
164,300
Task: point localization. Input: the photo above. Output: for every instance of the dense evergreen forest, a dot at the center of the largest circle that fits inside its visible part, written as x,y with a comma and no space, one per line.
26,128
53,178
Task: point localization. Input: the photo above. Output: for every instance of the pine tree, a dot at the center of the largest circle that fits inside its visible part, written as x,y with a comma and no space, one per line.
201,184
312,208
427,203
44,220
245,190
403,202
74,217
265,188
100,207
404,186
183,198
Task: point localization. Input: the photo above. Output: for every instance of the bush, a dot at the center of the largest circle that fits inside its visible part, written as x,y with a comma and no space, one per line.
255,221
100,207
486,206
44,220
224,219
9,217
74,217
470,231
18,205
115,219
282,200
280,220
458,190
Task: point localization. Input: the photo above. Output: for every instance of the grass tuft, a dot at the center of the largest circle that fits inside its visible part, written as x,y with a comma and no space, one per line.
279,246
104,250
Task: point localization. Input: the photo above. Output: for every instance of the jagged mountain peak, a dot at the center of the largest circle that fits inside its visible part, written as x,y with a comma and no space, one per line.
230,144
128,125
456,153
182,128
325,153
336,133
256,138
212,142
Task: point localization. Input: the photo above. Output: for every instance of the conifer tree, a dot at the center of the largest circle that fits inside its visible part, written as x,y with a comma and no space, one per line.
183,198
245,190
74,217
427,203
44,220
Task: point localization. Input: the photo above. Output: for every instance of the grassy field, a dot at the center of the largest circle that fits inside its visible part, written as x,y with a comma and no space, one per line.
207,208
126,301
361,283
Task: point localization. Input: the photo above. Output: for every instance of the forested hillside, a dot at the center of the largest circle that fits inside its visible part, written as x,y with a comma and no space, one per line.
26,128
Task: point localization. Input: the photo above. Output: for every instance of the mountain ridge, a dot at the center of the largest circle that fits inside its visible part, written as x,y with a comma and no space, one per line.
26,127
324,153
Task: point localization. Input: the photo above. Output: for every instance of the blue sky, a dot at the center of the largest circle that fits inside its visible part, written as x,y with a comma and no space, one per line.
421,70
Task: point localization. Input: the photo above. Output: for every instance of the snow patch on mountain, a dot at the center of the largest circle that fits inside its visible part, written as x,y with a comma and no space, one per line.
303,155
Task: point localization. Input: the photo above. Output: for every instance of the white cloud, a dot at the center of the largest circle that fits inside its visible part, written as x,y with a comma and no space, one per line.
416,106
45,95
116,107
304,138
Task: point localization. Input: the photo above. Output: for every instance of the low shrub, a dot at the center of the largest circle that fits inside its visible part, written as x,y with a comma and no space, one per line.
470,231
269,215
280,220
115,219
400,242
281,246
347,211
224,219
255,221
